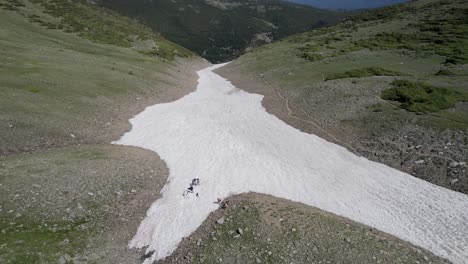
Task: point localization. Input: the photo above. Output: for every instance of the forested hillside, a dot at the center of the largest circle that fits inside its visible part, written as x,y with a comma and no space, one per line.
220,30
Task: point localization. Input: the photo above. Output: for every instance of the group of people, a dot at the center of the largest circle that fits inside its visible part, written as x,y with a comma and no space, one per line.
190,189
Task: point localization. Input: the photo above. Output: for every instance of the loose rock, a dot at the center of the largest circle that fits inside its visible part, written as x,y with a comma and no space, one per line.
220,221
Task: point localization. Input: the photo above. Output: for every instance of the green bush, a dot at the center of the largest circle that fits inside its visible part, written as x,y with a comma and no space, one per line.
34,90
386,40
444,72
364,72
311,56
448,37
422,97
309,48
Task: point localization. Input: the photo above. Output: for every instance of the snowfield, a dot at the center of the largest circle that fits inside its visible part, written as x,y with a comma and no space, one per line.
223,136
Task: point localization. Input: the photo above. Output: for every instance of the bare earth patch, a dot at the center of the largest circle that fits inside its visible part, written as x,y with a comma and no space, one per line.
257,228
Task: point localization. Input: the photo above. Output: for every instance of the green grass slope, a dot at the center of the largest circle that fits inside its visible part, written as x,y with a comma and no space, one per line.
68,72
71,75
220,30
416,41
79,205
382,82
96,24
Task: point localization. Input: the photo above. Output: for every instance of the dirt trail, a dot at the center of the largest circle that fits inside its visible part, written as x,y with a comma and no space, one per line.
308,121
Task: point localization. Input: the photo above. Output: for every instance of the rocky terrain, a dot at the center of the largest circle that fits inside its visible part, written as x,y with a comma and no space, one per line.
317,82
256,228
76,205
359,124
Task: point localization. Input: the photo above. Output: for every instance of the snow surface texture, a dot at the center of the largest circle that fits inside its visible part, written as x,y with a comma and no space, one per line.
225,137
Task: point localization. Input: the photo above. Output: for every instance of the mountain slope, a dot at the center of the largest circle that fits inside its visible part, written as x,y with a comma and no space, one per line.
221,30
65,192
280,231
67,43
389,84
348,4
70,78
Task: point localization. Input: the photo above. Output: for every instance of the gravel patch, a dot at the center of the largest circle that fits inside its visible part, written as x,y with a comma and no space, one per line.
350,113
264,229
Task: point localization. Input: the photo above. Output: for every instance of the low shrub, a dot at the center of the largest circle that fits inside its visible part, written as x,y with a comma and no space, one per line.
34,90
309,48
448,38
444,72
422,97
311,56
389,40
364,72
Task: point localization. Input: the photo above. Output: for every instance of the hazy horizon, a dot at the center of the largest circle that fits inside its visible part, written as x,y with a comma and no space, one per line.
348,4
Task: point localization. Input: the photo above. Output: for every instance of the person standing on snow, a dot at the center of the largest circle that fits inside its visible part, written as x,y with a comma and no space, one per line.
195,181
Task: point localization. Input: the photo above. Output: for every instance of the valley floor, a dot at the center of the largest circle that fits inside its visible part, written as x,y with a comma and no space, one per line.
67,195
223,136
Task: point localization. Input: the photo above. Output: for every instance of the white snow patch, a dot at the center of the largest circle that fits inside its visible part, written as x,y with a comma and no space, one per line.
224,136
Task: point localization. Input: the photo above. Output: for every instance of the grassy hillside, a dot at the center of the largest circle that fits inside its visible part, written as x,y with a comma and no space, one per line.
70,78
220,30
389,84
95,24
63,71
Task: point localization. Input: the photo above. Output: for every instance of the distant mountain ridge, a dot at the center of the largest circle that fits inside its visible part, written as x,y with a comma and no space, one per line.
348,4
220,30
